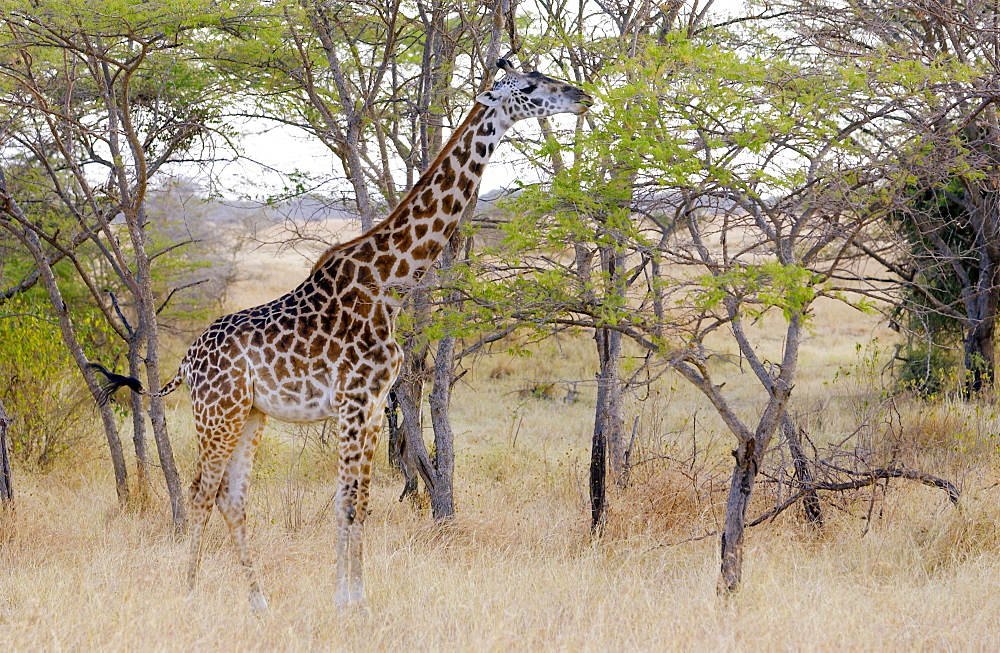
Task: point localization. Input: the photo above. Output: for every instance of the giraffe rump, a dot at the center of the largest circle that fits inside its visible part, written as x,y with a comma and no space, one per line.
112,382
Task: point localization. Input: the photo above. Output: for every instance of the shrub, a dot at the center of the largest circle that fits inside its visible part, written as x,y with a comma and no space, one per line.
928,369
36,382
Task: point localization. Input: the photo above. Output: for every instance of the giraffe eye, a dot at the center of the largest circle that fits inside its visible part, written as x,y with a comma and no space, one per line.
528,90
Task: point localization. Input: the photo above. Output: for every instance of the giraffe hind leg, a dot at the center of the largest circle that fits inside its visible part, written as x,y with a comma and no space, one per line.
217,443
232,502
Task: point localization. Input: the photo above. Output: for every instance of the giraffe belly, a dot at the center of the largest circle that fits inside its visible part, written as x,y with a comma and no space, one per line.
300,401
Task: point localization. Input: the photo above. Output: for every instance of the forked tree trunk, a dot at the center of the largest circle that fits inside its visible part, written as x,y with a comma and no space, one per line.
748,455
6,482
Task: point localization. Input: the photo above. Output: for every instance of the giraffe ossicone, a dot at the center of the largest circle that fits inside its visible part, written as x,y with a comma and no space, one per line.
326,349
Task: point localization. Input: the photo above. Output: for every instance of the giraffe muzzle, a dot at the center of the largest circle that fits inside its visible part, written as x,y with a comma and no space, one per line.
582,105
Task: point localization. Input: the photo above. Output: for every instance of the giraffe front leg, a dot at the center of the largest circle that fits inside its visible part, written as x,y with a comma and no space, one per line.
352,477
344,506
357,583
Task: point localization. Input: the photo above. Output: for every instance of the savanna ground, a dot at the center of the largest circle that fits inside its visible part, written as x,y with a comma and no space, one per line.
517,568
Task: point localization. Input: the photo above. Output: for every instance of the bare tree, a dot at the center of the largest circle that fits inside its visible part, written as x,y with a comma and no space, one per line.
930,69
99,105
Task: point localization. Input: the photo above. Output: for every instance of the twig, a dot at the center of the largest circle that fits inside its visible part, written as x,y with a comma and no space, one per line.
170,296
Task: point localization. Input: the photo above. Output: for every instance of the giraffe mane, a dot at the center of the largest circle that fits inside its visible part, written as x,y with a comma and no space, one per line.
425,179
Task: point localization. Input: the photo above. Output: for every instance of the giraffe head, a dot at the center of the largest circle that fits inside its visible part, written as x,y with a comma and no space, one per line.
533,95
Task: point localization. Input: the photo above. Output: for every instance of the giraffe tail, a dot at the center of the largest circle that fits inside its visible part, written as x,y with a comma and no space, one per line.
112,382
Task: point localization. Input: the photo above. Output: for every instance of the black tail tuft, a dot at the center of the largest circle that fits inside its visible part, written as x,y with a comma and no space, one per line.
112,382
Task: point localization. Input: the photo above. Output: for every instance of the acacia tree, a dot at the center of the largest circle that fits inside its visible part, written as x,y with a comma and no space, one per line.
935,63
99,100
720,183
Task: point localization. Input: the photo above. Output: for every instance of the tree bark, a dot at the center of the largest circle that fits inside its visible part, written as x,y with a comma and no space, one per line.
138,422
6,481
812,510
395,428
748,454
980,354
609,414
410,392
598,478
443,493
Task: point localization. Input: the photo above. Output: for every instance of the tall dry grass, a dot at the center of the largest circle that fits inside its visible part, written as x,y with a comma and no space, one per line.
518,568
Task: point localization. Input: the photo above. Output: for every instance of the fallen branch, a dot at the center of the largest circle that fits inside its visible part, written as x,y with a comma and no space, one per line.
865,479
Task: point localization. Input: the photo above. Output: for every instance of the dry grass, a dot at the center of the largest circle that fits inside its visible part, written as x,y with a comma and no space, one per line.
518,569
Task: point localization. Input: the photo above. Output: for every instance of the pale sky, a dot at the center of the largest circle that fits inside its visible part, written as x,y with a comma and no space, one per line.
273,147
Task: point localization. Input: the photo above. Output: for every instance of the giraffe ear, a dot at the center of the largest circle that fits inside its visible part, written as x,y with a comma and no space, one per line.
490,98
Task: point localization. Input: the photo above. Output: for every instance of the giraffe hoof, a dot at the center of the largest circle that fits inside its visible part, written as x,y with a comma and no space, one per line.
359,609
259,605
346,603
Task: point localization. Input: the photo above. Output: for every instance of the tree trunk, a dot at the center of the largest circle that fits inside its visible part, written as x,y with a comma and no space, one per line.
410,392
980,355
982,304
443,493
147,327
33,244
395,429
6,482
610,411
811,508
740,491
608,441
609,414
138,422
748,454
598,478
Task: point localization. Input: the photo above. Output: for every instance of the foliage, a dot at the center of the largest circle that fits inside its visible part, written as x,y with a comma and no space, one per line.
928,369
38,381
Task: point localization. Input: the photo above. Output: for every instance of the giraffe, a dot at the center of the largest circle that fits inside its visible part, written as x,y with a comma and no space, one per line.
326,349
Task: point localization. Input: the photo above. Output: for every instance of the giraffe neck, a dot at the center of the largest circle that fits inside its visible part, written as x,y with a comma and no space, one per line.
408,242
